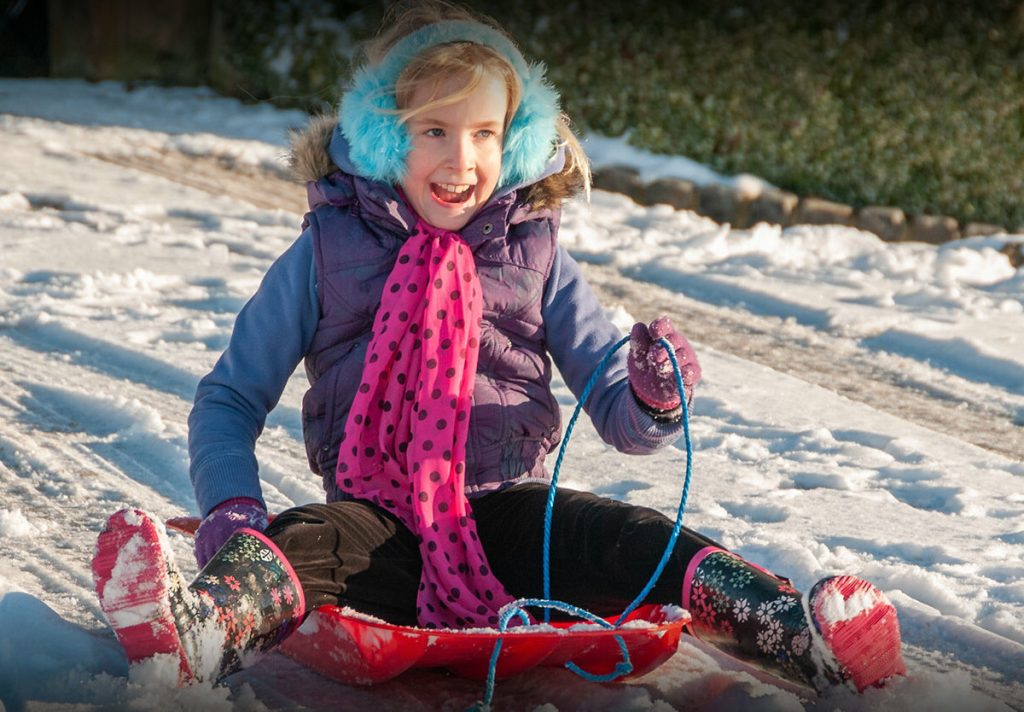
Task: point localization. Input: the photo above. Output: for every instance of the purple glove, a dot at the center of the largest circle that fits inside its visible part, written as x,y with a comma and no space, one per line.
650,369
224,520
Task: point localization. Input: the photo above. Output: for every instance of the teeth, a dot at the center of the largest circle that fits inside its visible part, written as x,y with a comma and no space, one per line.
452,188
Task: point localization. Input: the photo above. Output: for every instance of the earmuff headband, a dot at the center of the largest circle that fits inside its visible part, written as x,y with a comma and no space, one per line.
379,142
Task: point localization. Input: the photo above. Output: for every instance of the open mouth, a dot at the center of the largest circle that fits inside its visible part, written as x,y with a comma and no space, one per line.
451,193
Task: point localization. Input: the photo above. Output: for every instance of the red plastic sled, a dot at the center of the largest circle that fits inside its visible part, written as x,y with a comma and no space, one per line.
360,650
346,646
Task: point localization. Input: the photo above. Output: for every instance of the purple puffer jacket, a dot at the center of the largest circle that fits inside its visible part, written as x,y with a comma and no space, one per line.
317,302
358,227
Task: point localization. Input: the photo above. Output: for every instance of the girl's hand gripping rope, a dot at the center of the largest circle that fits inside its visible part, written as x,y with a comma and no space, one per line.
650,369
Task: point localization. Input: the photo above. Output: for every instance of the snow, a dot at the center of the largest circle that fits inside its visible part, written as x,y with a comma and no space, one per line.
121,273
14,525
605,151
835,607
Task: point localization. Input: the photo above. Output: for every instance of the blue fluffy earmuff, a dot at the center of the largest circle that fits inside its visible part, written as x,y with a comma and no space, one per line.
379,142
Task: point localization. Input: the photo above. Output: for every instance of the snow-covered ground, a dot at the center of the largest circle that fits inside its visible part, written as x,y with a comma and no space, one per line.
120,276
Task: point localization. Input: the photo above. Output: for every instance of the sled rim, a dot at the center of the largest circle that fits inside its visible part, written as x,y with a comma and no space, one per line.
355,648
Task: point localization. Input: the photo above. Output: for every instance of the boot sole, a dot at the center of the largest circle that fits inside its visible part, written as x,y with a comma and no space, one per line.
859,628
135,581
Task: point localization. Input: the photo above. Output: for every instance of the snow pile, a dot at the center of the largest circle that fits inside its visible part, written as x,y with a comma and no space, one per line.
14,525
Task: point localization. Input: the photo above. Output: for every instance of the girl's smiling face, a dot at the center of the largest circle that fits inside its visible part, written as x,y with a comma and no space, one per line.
453,166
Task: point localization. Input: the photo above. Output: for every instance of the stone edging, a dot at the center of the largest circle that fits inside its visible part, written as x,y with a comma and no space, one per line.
725,204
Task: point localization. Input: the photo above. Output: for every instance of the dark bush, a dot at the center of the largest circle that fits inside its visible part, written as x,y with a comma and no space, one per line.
913,104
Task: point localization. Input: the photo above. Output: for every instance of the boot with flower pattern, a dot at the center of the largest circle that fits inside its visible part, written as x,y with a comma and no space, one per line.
245,601
844,632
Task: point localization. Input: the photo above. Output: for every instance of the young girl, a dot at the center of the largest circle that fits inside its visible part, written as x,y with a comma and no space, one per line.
428,298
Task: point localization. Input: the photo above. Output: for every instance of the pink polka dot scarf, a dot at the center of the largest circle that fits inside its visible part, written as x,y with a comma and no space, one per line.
404,445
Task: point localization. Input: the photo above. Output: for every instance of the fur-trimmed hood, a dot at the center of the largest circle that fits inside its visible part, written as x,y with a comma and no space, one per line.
320,150
309,159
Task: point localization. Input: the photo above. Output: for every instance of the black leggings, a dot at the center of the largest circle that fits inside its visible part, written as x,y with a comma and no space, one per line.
602,551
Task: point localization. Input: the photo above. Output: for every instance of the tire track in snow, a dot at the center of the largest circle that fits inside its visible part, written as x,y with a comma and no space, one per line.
69,459
69,462
165,392
75,408
830,362
254,185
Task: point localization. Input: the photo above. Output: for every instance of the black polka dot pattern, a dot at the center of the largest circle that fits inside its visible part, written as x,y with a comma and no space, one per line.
408,431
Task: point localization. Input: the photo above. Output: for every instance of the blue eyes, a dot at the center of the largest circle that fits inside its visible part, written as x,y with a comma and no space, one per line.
439,133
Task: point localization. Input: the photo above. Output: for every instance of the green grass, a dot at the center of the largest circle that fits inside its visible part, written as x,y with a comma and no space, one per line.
911,104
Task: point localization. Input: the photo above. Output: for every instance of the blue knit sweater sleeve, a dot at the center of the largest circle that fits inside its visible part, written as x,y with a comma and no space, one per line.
271,334
583,337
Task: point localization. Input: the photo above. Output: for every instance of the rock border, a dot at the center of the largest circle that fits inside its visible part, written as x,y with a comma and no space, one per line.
725,204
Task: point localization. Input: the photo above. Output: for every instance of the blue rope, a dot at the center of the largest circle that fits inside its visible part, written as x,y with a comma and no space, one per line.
670,546
517,608
552,489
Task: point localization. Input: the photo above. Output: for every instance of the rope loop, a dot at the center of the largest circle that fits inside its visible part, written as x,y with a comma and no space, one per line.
517,608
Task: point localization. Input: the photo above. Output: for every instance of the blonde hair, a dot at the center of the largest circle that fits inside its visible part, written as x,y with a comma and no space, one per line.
470,63
467,63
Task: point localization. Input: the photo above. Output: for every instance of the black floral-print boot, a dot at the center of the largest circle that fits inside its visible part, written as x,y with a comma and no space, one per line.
845,631
244,602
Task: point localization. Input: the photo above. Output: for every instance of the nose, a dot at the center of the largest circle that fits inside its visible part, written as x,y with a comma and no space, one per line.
461,154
